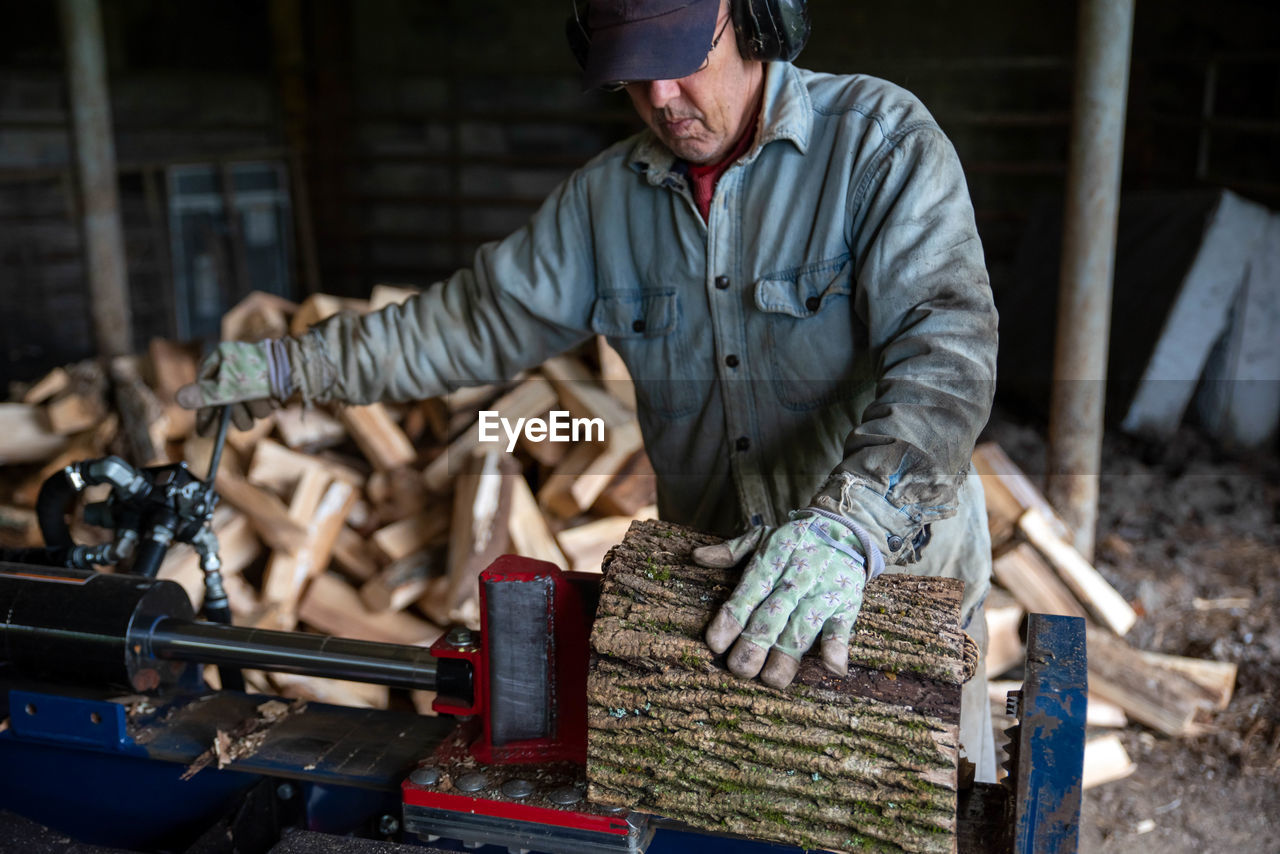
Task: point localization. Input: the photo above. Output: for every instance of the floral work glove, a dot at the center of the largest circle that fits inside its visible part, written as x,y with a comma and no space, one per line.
253,377
805,577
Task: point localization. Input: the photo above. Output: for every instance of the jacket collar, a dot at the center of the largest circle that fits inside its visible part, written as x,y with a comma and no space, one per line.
787,113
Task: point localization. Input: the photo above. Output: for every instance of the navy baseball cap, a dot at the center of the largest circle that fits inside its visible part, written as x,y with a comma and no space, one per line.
647,39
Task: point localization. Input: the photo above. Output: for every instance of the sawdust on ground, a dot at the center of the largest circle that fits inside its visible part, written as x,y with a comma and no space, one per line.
1191,536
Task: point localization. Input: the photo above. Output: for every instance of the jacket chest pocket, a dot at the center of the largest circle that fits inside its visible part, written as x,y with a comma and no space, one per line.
816,346
647,331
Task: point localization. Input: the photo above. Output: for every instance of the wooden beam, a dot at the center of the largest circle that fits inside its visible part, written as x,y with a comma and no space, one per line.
530,535
322,505
404,581
380,439
25,436
267,513
1093,591
279,469
1034,584
173,365
52,383
259,315
384,295
309,428
586,545
1005,650
318,307
614,374
1006,485
633,487
337,692
1215,679
1162,699
478,535
73,412
1105,761
556,492
143,422
354,555
398,494
334,607
408,536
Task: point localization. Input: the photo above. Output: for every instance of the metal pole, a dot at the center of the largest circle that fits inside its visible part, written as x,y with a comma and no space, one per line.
96,162
1088,262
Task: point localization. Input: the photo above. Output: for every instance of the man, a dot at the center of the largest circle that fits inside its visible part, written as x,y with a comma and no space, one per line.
788,263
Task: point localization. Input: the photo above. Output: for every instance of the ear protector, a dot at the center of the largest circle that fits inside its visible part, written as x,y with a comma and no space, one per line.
766,30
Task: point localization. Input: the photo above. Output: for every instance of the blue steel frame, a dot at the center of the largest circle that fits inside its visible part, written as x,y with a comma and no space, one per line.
1049,764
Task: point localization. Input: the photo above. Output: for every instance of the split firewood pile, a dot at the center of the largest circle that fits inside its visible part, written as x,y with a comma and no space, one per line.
1036,569
373,522
369,522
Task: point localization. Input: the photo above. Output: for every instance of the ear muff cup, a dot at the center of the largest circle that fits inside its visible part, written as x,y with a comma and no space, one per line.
769,30
766,30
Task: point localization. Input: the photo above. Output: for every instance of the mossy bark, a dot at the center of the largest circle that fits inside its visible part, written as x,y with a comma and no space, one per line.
863,762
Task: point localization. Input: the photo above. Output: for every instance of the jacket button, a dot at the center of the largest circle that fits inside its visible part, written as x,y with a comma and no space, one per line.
812,303
638,326
722,282
731,360
743,443
895,543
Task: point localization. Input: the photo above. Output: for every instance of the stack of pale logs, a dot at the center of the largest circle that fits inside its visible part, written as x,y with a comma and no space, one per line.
369,522
1037,570
373,522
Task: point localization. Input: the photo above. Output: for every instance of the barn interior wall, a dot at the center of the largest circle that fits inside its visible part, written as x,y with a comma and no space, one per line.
423,129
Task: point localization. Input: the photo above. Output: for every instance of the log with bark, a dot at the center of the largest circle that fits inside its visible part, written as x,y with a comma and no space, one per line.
863,762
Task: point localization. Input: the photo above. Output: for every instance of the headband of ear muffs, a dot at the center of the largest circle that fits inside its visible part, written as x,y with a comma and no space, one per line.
766,30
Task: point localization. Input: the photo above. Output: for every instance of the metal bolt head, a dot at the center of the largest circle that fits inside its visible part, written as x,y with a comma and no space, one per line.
459,636
472,782
517,788
472,845
1013,704
427,775
285,791
565,796
611,810
388,825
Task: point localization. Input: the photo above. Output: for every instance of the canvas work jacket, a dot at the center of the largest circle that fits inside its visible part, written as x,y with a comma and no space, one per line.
827,334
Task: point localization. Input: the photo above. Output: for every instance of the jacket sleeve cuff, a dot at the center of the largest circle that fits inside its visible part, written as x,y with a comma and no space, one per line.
312,371
892,528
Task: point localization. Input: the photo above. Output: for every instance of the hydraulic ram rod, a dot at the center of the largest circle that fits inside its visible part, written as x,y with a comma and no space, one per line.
399,666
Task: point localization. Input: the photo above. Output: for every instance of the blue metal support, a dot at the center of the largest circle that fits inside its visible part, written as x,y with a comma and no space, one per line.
1048,752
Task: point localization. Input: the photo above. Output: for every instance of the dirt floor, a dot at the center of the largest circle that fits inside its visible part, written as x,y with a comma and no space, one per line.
1191,536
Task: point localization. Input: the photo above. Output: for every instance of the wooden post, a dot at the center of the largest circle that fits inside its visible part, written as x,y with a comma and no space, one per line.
96,169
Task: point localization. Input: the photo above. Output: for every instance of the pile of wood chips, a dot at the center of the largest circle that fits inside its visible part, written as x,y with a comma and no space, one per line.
1036,569
368,522
373,522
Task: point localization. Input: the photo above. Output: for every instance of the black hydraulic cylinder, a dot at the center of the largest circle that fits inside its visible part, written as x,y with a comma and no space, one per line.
293,652
71,626
67,625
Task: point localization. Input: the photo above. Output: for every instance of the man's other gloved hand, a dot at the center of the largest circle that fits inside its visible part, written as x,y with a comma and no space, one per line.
254,377
805,577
